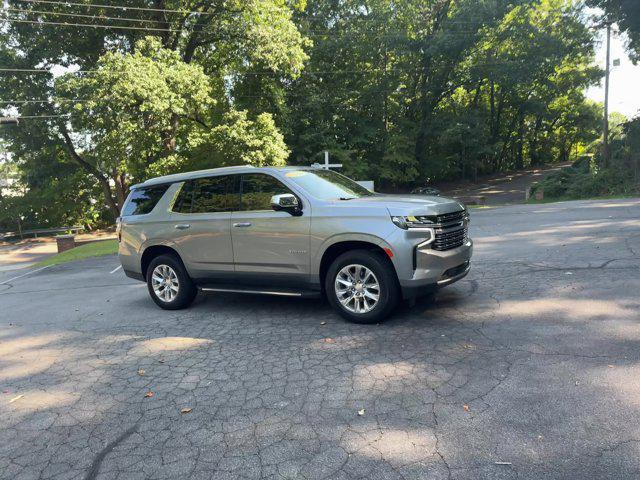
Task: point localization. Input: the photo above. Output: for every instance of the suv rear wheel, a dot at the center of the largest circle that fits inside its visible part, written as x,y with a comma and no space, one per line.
361,286
169,283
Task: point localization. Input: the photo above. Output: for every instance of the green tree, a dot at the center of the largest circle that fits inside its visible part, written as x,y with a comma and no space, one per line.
141,99
138,106
626,13
411,91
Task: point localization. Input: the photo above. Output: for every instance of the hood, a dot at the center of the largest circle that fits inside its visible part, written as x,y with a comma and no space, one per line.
411,204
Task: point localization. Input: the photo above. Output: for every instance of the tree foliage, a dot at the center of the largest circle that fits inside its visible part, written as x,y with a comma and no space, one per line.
419,90
401,92
626,13
140,102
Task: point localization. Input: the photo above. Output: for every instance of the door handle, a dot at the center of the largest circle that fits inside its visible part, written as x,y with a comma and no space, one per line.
243,224
182,226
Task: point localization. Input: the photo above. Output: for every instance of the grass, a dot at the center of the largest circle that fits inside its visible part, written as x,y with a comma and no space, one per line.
93,249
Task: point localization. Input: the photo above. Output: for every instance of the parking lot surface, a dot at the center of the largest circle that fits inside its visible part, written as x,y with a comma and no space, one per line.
528,368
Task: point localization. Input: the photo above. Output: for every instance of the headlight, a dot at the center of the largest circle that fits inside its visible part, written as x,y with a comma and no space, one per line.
412,223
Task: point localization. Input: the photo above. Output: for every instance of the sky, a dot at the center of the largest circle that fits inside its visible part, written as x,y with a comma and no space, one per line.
624,81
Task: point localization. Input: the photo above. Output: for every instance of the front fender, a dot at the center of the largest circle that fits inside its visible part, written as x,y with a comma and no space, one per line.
316,259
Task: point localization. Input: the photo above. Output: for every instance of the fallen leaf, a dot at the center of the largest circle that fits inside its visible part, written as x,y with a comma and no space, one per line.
186,410
610,366
141,371
16,398
148,395
329,340
361,412
466,408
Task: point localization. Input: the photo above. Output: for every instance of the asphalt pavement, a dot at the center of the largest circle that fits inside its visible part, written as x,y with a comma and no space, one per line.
526,369
504,189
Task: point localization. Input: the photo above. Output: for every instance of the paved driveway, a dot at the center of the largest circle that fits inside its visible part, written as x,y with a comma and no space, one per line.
505,189
528,368
25,254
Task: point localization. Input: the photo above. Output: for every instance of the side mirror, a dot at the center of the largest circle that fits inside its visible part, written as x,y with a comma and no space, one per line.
286,202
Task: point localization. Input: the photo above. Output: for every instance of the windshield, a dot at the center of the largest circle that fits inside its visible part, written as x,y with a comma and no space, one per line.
327,184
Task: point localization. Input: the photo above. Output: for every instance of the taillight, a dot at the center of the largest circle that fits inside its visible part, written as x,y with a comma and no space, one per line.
119,228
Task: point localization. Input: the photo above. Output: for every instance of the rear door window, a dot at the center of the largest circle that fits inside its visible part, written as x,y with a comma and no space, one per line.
208,195
142,200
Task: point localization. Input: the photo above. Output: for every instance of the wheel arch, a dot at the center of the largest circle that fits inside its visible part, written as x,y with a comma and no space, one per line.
332,249
153,251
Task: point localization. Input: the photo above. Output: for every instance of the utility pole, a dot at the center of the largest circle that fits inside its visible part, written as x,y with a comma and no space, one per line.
606,153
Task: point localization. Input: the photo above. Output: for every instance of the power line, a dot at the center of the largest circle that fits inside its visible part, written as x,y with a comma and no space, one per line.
53,100
399,34
88,25
303,72
192,12
314,32
117,7
33,117
39,70
43,116
95,16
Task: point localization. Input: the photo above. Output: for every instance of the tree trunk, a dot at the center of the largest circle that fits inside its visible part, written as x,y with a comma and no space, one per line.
519,164
102,179
533,143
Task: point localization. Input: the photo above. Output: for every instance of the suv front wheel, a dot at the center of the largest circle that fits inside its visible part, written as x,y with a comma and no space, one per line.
169,283
361,286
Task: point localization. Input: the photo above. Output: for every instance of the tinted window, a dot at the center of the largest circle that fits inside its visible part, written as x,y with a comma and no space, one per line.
327,184
184,200
257,190
207,195
142,200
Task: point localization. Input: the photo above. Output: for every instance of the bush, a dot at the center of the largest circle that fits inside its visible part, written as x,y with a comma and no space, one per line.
584,179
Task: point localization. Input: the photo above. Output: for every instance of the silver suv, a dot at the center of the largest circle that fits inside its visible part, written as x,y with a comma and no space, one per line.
291,231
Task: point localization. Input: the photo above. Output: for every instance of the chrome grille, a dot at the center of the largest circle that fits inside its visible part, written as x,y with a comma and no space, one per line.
454,231
450,217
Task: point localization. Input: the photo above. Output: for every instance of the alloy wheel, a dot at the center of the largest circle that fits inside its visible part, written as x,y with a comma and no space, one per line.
164,281
357,288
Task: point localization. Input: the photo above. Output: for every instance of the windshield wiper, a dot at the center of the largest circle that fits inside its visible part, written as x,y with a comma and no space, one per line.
347,198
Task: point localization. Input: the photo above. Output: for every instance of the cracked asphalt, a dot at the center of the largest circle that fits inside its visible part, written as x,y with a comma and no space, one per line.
527,369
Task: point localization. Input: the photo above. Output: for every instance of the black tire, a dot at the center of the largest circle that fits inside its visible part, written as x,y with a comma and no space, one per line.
187,290
382,268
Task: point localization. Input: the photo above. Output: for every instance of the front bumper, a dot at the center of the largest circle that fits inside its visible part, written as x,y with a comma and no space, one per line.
435,269
454,274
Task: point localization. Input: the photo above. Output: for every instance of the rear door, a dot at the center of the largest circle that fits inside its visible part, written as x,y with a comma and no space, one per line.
201,217
269,247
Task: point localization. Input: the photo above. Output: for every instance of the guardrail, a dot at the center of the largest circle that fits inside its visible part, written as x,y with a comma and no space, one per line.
39,231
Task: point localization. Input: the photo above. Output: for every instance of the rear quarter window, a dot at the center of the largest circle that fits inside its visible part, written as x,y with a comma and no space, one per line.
142,200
